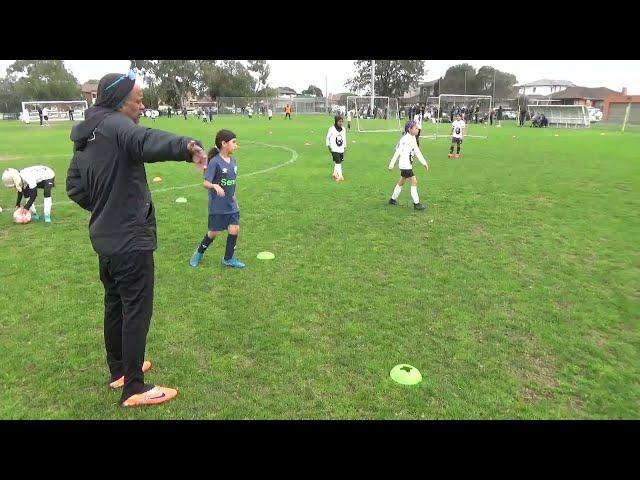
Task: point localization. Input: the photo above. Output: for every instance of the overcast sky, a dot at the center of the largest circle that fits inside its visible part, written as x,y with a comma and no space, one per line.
299,74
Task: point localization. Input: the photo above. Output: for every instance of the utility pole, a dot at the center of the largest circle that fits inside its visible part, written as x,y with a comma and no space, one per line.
326,95
373,74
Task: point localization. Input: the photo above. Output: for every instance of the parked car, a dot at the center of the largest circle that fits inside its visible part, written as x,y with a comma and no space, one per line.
595,114
508,114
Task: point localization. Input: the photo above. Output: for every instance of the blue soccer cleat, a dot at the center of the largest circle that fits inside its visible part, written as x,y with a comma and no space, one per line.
233,262
35,217
196,258
47,219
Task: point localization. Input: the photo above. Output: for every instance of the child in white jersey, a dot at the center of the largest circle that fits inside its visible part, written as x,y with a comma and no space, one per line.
405,150
337,144
457,134
26,182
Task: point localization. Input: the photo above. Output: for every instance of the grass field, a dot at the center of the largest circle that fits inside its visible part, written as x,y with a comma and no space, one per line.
516,294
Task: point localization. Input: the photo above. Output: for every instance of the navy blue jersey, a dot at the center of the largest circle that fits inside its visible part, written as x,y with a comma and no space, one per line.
224,174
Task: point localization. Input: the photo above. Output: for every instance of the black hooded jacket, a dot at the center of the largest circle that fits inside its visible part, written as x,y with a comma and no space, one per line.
108,178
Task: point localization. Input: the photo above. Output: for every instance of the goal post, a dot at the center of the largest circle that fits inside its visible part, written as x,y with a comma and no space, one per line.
383,116
58,109
470,107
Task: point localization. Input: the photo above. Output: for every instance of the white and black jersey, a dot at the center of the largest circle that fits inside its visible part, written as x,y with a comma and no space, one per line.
32,176
337,140
457,128
418,119
406,147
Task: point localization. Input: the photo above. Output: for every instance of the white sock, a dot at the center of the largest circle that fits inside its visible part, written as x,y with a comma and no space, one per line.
335,168
33,209
414,194
339,165
47,206
396,192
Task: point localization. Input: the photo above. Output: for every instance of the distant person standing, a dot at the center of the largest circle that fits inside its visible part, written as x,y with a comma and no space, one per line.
26,117
523,114
499,116
457,135
491,112
418,119
71,113
45,116
169,112
39,108
348,119
184,112
210,112
287,112
336,142
269,113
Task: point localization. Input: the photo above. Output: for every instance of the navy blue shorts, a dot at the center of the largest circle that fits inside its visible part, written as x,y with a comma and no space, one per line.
456,140
220,221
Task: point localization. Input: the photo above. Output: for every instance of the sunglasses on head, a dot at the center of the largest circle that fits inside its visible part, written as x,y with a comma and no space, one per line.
131,75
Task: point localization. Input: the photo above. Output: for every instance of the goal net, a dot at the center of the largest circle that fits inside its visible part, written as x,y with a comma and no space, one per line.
57,109
379,115
441,110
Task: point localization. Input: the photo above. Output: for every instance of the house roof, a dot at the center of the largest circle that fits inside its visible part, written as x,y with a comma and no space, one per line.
584,92
287,91
548,83
89,87
428,84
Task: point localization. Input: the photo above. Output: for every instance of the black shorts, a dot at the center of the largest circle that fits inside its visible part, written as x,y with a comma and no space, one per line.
406,173
46,117
337,157
47,185
456,140
221,221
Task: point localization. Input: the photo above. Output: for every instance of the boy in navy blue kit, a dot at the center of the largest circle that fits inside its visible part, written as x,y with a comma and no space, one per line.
220,180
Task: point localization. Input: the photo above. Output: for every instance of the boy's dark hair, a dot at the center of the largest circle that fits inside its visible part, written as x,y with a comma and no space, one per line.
222,136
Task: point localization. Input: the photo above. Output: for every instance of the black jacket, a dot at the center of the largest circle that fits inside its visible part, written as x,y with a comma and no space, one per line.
107,177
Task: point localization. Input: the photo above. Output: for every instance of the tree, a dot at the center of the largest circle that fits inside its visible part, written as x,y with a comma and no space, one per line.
459,80
229,79
480,83
267,92
174,79
312,90
150,97
262,69
393,78
44,80
9,100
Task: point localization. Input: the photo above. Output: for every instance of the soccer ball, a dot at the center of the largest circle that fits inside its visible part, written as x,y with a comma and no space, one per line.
20,217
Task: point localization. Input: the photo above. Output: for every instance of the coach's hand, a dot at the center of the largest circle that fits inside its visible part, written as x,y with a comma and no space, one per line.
198,157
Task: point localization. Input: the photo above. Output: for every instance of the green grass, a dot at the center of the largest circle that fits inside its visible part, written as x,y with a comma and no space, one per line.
516,294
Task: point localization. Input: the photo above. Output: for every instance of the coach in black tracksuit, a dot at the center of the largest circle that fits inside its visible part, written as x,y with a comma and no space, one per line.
107,177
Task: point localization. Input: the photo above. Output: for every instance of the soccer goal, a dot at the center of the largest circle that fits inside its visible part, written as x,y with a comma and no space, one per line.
58,109
474,110
567,116
381,115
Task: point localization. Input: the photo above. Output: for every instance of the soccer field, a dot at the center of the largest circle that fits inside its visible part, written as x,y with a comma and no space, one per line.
516,293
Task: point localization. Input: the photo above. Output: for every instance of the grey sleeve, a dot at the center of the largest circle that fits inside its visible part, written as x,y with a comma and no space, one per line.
150,145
